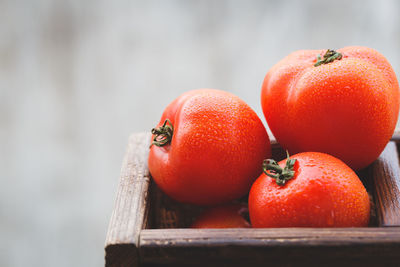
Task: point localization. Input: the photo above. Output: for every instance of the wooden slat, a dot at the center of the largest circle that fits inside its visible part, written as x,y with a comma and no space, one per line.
129,244
386,177
128,216
270,247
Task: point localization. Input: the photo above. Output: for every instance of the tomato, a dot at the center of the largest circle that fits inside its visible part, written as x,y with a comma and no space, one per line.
310,189
207,148
345,105
225,216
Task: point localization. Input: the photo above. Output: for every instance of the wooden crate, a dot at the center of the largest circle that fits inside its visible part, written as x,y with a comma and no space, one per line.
147,228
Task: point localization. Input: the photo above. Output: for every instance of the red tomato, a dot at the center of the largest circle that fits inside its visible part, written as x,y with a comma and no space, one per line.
207,148
311,189
345,105
226,216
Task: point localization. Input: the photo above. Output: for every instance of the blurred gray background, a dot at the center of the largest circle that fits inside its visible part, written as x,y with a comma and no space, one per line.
77,77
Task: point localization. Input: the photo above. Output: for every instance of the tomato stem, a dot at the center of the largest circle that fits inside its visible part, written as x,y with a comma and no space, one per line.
330,56
163,134
272,169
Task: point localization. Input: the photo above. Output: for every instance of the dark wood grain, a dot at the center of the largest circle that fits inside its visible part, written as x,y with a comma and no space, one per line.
277,247
386,176
130,242
129,214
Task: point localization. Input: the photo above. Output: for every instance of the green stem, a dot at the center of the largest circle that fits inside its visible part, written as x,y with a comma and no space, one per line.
272,169
162,134
330,56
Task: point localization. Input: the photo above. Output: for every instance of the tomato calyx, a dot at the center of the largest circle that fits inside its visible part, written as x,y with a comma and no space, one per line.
281,175
163,134
330,56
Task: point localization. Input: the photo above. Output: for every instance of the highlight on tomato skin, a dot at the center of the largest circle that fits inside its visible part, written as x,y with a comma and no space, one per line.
343,102
224,216
321,191
207,148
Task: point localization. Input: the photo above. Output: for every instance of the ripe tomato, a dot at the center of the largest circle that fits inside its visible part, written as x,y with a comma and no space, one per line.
226,216
207,148
310,189
345,104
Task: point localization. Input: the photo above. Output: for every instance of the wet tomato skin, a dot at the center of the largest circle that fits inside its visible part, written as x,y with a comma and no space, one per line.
217,148
324,192
347,108
223,216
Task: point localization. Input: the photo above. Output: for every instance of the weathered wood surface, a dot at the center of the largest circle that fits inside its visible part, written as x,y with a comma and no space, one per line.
129,214
130,244
271,247
386,178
